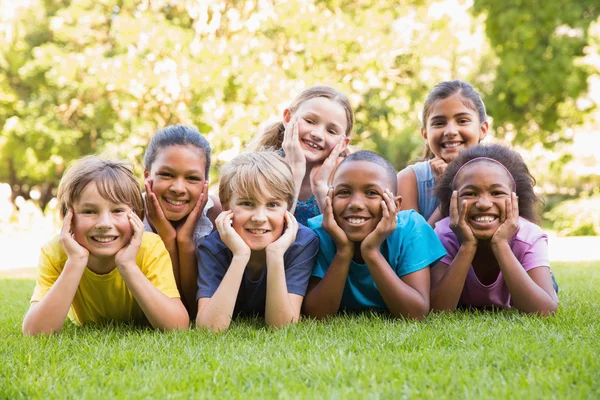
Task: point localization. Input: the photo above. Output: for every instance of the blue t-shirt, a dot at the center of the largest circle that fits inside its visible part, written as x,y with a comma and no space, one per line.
425,184
214,259
410,248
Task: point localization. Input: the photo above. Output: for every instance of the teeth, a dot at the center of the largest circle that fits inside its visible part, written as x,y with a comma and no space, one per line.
356,220
104,239
257,231
449,145
484,219
176,202
314,146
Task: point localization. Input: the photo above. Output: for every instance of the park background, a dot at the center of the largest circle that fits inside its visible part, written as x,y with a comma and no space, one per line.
99,76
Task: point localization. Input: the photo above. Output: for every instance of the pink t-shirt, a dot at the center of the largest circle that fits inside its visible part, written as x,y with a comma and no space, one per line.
530,247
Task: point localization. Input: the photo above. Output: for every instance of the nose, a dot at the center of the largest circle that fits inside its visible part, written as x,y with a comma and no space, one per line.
451,128
483,202
259,215
356,202
177,186
317,133
104,221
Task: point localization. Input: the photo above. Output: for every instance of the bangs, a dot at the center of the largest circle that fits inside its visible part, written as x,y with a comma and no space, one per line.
120,190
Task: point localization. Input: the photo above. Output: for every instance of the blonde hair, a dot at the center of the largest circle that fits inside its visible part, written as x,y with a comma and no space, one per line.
114,179
250,175
272,136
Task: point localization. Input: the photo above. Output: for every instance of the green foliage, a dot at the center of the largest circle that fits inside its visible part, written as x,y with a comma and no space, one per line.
84,76
579,217
467,354
538,77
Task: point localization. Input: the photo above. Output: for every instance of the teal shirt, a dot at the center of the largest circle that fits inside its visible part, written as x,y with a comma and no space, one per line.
410,248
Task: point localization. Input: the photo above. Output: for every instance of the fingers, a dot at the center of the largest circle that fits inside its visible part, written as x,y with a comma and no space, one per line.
200,204
463,212
454,207
67,223
137,225
292,224
515,206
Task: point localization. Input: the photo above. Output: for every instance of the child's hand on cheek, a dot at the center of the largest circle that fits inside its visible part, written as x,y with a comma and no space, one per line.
385,227
185,231
509,220
438,167
294,155
229,236
458,221
126,257
339,237
156,216
74,250
288,237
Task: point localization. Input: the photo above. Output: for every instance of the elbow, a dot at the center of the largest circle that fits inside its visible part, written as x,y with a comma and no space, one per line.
213,327
547,311
29,329
281,322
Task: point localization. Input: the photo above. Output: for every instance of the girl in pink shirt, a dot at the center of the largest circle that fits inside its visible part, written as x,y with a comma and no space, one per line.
497,255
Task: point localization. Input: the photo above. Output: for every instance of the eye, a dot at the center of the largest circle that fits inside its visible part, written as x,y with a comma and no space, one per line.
342,193
119,210
332,131
87,212
310,121
437,124
164,174
372,192
194,179
245,203
499,193
467,194
272,204
464,121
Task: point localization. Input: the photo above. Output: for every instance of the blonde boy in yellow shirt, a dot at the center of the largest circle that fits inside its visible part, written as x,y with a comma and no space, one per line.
103,265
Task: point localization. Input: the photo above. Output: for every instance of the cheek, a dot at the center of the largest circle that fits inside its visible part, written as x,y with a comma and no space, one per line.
124,226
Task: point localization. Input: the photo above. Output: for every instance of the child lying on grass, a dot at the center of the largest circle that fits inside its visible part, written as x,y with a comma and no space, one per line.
103,265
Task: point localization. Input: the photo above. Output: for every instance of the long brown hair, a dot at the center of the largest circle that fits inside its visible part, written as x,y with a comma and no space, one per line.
272,136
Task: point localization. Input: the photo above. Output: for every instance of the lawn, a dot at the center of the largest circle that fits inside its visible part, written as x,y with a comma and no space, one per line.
472,354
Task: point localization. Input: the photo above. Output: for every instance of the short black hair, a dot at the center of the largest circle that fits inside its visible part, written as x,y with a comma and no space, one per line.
176,135
512,161
372,157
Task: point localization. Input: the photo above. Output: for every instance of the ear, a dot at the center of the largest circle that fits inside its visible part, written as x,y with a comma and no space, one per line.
424,133
146,174
287,116
484,130
346,143
398,201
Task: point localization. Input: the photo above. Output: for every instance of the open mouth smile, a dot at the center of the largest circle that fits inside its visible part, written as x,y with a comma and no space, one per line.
483,220
451,145
104,239
356,220
176,203
312,145
258,231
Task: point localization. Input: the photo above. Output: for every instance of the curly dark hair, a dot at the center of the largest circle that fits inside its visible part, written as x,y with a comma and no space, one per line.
524,181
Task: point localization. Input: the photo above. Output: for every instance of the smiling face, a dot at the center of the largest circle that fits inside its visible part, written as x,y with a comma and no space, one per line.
100,225
178,175
358,188
452,126
321,124
258,222
485,186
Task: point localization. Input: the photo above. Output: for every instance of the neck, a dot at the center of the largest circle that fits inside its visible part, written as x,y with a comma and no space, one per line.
358,254
258,260
101,265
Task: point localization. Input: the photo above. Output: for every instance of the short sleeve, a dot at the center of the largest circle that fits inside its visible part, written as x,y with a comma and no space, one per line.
537,254
299,262
420,247
157,267
448,240
210,271
48,272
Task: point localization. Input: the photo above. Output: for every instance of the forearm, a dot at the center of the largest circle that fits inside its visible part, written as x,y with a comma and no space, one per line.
526,295
278,309
400,298
162,312
49,314
324,299
188,274
445,293
216,315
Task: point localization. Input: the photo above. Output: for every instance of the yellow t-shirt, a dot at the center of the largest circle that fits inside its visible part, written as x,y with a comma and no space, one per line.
101,297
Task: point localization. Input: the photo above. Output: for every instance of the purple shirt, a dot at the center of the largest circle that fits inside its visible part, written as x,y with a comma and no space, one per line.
530,247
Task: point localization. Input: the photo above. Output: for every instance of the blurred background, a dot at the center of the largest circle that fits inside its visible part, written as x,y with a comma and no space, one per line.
100,76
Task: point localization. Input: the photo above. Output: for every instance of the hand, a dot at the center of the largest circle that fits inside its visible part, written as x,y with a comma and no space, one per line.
229,236
156,216
291,146
339,237
185,231
438,167
385,227
509,220
288,237
321,174
74,250
458,221
127,256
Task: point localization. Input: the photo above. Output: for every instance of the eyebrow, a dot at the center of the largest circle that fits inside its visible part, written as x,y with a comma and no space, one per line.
495,185
319,115
461,114
166,167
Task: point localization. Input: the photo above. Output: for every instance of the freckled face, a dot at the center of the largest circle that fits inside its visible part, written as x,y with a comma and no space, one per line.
100,225
452,126
178,175
258,222
358,188
485,186
321,124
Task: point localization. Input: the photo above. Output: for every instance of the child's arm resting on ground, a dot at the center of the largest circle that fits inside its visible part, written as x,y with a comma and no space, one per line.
531,291
215,312
324,295
48,314
162,312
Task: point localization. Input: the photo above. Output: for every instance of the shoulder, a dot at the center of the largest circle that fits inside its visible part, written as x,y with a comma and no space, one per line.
442,227
529,232
213,243
305,235
150,240
53,251
410,219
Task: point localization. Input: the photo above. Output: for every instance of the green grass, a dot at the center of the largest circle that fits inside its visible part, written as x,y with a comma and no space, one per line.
474,354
